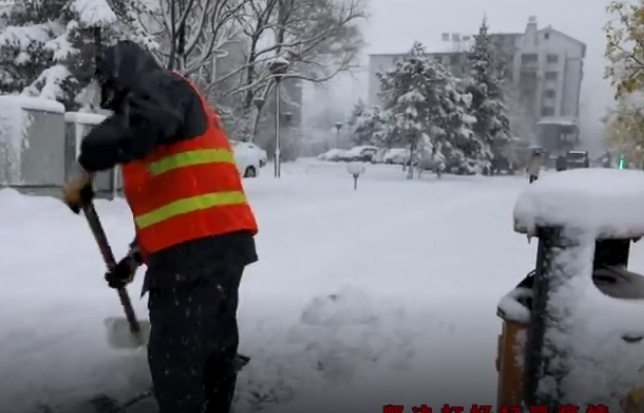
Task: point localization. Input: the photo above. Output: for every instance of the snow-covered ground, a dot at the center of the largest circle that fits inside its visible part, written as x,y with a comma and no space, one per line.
384,295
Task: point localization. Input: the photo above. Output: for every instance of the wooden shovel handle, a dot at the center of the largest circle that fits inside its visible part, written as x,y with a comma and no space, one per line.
108,256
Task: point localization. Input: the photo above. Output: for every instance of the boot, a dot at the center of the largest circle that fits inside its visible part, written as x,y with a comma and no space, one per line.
219,398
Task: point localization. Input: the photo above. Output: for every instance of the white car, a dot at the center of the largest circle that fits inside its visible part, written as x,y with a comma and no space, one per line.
331,155
362,153
248,159
261,154
396,156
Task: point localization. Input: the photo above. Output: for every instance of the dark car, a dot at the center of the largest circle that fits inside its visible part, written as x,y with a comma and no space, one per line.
577,159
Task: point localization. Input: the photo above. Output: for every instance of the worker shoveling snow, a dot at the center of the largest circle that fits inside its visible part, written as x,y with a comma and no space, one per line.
195,233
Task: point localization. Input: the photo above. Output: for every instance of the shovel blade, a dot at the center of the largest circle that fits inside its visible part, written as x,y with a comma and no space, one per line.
119,335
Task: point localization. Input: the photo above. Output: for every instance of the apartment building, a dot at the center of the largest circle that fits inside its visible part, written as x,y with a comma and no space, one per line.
545,66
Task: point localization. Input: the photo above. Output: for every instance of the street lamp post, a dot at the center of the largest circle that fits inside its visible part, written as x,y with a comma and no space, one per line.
259,103
278,69
338,126
288,116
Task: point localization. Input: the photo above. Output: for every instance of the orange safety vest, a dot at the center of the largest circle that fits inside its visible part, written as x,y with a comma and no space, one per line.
187,190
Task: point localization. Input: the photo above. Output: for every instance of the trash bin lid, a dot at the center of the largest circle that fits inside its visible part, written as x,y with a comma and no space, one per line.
605,202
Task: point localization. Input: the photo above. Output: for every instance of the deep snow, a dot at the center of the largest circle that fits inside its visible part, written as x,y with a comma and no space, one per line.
416,269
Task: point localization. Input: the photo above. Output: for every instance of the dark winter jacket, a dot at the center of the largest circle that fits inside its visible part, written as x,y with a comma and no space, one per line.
153,106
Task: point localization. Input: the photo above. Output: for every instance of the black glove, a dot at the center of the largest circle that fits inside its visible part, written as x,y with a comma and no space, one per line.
123,273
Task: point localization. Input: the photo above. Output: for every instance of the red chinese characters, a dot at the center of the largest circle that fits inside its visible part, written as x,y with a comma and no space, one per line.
480,408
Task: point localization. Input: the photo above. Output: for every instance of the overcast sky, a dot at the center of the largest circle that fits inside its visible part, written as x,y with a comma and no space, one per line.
396,24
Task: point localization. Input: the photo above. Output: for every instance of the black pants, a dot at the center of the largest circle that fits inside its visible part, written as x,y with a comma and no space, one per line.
193,343
533,178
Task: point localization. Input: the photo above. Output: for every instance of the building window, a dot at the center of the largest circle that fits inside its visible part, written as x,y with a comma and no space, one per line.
547,111
529,58
553,58
453,60
550,94
552,75
546,35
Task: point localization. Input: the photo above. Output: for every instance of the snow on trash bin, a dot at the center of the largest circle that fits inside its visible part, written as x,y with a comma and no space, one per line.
595,340
606,202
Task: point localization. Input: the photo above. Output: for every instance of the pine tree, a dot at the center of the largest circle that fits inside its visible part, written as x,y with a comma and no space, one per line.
369,128
412,93
460,145
48,48
357,111
492,126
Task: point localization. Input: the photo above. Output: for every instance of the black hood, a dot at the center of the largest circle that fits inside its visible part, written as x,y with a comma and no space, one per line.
121,67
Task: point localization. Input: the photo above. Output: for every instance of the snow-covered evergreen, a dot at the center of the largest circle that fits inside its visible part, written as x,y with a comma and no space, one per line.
492,126
48,47
357,111
459,146
370,127
411,96
429,113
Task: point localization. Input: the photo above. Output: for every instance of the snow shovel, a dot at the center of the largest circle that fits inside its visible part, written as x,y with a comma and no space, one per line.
126,332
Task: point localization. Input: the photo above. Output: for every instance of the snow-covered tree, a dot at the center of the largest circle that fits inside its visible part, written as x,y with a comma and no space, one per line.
193,33
426,111
318,38
370,128
492,125
48,47
357,111
459,145
365,125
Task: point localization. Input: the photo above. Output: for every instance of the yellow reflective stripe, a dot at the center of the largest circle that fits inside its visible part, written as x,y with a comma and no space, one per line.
198,157
187,205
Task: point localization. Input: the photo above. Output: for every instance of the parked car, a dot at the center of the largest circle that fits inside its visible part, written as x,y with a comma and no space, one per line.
359,154
379,156
396,156
577,159
331,155
261,154
502,165
432,163
247,159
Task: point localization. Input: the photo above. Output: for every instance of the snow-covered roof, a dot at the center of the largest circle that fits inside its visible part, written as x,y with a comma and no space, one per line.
558,120
436,45
608,203
84,118
397,150
26,102
359,149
